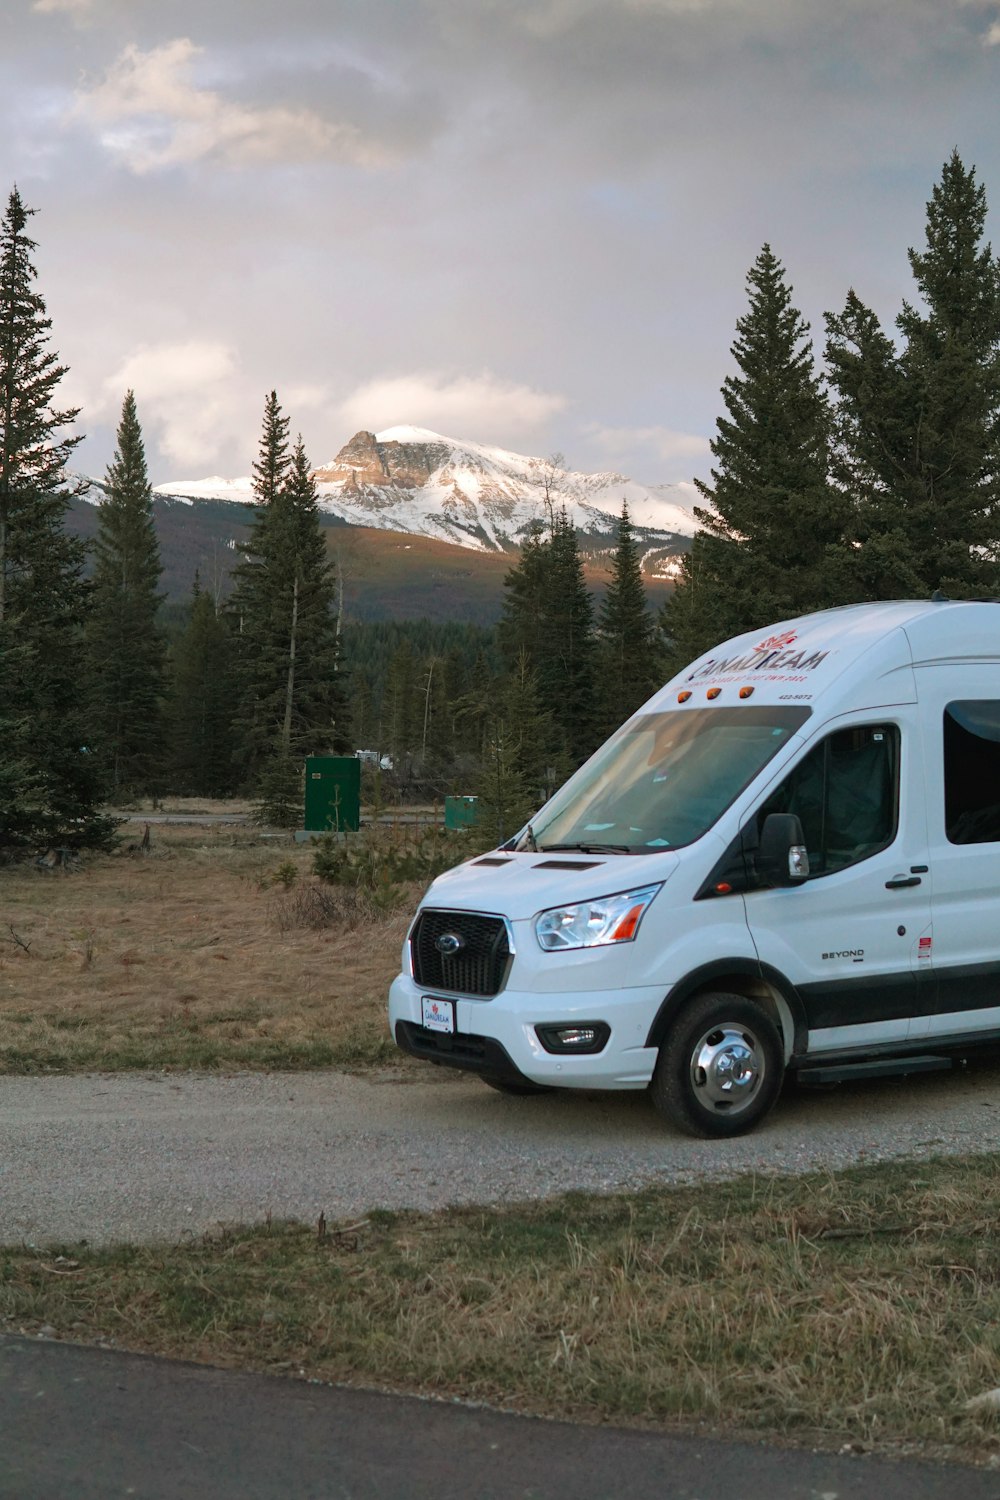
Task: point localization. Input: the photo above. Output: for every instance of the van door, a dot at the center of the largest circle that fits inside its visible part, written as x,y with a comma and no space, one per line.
961,704
851,938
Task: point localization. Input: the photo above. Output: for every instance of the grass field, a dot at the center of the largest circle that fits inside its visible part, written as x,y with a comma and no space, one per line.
860,1308
193,954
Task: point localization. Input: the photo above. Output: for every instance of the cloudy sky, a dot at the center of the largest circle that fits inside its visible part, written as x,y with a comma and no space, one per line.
523,222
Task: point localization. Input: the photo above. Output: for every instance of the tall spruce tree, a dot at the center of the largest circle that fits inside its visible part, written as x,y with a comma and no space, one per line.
203,703
566,668
773,542
522,621
292,693
629,669
50,789
918,435
125,644
548,615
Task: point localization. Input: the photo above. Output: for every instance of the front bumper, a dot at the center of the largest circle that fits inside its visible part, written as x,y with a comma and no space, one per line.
497,1037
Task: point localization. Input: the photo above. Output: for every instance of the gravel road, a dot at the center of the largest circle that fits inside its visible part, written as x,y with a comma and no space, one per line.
140,1157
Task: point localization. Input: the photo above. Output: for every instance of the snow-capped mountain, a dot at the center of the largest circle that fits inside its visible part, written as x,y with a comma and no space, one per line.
407,479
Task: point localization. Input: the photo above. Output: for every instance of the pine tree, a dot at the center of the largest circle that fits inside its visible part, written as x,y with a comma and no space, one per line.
203,704
566,667
919,427
476,708
537,746
522,621
124,642
773,543
252,604
505,801
53,797
292,693
628,665
316,718
549,616
271,467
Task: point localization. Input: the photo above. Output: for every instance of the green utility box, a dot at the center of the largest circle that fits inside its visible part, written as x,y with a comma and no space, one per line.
461,812
333,794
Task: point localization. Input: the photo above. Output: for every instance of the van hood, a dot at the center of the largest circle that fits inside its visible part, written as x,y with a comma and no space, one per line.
518,886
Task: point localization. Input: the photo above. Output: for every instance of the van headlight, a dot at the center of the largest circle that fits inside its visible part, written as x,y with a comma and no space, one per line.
593,924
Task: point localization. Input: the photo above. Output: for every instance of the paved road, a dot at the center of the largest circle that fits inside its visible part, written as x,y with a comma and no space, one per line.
136,1157
87,1424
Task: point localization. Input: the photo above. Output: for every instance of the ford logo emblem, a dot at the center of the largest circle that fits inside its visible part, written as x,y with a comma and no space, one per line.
449,943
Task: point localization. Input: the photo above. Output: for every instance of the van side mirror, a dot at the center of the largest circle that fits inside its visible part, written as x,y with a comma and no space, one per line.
782,858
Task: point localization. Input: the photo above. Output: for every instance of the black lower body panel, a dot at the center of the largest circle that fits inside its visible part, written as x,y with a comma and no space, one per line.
476,1054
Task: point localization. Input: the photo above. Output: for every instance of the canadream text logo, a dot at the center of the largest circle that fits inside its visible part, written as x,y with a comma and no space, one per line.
769,656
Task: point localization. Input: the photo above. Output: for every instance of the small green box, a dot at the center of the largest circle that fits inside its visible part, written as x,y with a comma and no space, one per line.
333,794
461,812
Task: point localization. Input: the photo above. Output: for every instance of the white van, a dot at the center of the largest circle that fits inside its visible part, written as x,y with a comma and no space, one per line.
788,860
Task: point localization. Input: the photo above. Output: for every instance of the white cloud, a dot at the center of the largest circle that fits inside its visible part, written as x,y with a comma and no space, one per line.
191,399
483,406
992,37
304,398
68,7
663,442
150,112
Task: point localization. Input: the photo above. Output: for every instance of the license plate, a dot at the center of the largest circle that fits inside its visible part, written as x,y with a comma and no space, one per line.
439,1015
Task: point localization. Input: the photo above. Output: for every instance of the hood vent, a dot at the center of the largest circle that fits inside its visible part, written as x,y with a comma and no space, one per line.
496,863
568,864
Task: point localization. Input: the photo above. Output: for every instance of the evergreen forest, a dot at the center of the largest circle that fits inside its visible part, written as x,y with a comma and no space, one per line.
863,468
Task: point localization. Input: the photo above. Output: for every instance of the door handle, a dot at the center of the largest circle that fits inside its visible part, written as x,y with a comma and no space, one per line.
900,881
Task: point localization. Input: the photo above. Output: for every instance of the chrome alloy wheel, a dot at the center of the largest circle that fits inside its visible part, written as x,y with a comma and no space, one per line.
727,1068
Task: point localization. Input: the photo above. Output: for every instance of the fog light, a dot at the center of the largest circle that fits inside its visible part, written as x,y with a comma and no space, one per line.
577,1036
585,1036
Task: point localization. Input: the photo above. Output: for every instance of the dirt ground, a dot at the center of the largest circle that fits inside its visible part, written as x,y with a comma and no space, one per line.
202,951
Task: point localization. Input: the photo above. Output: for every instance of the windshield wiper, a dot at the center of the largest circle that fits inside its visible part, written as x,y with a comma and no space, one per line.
587,848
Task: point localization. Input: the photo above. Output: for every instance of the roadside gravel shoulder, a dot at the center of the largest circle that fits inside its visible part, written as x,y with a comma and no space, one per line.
145,1157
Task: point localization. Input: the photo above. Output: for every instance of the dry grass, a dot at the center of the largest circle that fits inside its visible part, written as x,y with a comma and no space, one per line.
190,955
861,1308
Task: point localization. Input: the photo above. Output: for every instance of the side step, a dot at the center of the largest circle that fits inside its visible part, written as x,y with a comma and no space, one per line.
889,1067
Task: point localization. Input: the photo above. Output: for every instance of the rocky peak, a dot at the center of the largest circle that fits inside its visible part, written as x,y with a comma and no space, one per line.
365,461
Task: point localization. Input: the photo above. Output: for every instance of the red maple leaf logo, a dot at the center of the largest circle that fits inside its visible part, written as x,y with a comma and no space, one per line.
776,642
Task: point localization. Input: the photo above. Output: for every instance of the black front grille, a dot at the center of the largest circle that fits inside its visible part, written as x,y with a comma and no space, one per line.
480,964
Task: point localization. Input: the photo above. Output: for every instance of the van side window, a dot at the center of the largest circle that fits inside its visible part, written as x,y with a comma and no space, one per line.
972,772
846,796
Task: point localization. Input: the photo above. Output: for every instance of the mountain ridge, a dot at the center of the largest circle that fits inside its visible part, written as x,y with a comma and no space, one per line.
412,480
419,525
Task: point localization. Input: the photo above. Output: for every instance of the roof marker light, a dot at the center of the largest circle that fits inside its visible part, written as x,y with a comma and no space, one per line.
746,692
683,697
713,692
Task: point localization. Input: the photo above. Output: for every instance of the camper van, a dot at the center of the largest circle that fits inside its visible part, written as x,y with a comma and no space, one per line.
787,862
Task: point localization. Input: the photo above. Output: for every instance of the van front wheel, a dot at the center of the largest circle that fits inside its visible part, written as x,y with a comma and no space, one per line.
720,1068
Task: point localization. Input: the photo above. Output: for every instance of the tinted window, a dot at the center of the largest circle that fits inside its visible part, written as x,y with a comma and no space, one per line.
845,793
972,772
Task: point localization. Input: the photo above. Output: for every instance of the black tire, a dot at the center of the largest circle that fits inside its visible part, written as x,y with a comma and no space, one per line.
720,1068
514,1087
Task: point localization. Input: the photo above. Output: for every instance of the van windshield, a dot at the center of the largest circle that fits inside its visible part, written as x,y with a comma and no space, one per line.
665,778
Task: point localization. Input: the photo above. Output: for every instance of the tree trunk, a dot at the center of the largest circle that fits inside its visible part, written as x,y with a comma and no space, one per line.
286,729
